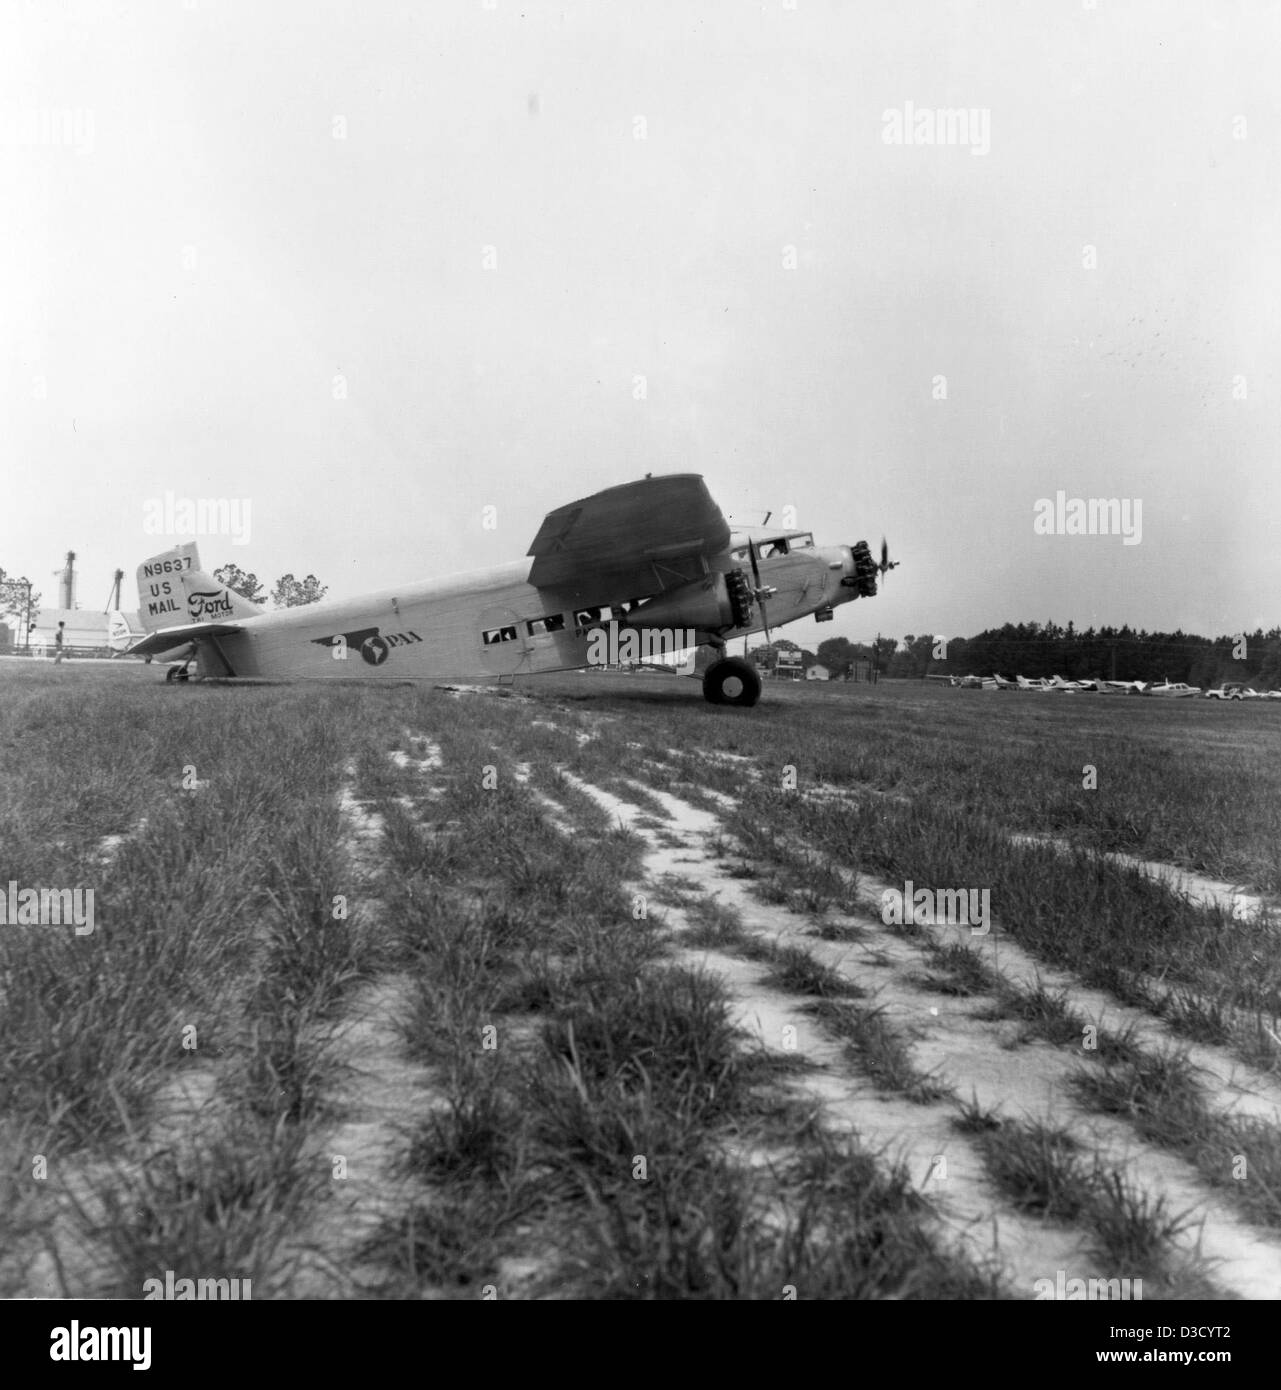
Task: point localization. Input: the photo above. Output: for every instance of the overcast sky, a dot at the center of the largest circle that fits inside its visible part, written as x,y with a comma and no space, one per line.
376,267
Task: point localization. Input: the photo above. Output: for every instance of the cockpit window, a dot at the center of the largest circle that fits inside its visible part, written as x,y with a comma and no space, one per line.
778,545
763,549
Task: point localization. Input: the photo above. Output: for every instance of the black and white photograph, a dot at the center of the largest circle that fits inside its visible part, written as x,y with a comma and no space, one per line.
640,660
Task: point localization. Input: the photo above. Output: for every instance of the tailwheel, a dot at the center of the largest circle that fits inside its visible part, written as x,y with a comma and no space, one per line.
731,681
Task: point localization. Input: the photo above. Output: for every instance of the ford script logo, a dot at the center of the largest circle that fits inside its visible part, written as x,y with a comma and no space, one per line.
213,603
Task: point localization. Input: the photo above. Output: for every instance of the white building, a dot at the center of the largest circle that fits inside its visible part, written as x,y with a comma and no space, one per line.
84,628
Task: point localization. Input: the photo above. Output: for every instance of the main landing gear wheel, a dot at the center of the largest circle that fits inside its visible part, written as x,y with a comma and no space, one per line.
176,673
731,682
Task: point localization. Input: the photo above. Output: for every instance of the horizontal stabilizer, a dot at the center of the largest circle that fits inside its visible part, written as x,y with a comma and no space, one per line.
165,639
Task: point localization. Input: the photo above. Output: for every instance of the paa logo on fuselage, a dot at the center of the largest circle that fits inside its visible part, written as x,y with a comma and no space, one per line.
372,646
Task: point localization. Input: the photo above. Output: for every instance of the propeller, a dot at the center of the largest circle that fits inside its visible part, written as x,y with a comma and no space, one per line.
760,592
886,563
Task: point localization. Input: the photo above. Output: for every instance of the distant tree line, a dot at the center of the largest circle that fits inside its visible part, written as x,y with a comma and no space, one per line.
1110,653
1046,649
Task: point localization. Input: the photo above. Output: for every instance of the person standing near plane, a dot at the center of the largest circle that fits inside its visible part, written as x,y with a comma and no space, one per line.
57,643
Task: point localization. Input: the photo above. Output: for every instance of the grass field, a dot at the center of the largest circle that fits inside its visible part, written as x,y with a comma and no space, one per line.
588,991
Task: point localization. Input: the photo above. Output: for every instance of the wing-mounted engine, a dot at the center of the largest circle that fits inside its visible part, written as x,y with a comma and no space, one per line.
740,598
716,603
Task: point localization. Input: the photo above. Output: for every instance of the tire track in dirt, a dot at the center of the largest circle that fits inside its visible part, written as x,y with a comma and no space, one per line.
974,1219
972,1056
378,1095
1252,1092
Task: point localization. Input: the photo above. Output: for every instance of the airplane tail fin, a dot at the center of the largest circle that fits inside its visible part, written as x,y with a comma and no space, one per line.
118,633
173,589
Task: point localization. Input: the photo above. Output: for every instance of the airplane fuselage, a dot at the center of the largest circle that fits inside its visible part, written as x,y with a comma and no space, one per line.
483,625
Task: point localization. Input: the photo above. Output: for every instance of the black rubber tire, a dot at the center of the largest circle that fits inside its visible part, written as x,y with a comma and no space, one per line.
741,678
171,675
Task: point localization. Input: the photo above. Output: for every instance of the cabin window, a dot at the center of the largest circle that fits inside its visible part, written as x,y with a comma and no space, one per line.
585,617
553,622
494,635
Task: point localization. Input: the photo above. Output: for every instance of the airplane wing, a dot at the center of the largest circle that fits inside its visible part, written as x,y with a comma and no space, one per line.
638,538
164,639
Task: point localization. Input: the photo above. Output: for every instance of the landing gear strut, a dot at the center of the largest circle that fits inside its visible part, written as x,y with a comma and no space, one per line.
731,681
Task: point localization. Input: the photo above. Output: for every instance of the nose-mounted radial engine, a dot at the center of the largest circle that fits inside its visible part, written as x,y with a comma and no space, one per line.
866,569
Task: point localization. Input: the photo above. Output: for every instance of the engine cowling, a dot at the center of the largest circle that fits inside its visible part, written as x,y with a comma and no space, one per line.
865,571
711,604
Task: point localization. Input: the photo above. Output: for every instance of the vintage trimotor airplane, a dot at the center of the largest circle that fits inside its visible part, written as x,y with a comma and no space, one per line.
638,570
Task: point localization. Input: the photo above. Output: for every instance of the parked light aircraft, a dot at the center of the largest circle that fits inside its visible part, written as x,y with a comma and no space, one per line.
1050,685
646,568
1179,690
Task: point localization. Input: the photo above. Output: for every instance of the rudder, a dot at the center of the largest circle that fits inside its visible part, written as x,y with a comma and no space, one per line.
173,589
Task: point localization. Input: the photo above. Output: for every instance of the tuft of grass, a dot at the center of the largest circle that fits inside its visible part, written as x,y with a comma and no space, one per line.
221,1208
973,1118
673,891
1045,1013
713,925
964,972
839,931
1197,1016
877,1240
1160,1095
771,890
1039,1168
798,972
1133,1229
878,1050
